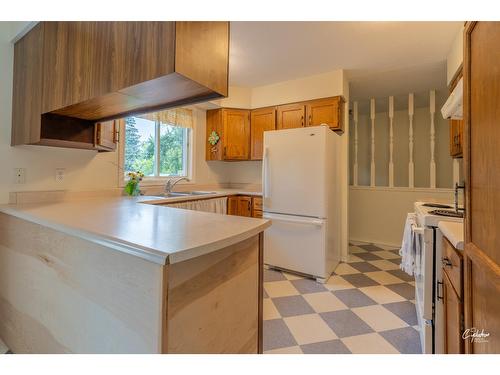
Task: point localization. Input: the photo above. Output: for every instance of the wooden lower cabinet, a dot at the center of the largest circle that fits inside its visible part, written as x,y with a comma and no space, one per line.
453,315
257,207
244,205
453,310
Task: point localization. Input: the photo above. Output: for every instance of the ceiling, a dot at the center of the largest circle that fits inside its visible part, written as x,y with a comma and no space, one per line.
375,54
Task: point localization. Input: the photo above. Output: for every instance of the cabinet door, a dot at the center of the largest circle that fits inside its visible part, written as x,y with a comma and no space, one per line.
261,120
291,116
453,342
245,206
236,135
214,124
456,131
232,205
105,135
325,111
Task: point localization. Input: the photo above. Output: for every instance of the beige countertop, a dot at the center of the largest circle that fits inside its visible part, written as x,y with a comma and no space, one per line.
454,232
151,231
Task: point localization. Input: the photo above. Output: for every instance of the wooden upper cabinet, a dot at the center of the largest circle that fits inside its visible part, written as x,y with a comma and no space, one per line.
456,126
236,134
329,111
233,128
263,119
291,116
106,135
456,138
98,71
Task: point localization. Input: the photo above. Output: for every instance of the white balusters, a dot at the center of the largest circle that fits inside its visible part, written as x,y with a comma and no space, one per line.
355,172
432,106
372,165
391,141
411,166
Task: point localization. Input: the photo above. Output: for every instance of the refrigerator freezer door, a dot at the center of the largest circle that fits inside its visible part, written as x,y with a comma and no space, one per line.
293,172
297,244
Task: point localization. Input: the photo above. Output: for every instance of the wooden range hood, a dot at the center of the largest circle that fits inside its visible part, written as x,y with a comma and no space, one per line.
70,76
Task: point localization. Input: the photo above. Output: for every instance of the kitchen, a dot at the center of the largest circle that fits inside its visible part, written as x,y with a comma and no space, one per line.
280,161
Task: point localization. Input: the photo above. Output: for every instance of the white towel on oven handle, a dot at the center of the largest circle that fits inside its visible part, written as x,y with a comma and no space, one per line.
410,247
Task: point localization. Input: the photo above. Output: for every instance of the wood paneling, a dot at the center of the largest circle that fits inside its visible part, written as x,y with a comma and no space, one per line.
62,294
482,166
327,111
263,119
213,301
453,342
290,116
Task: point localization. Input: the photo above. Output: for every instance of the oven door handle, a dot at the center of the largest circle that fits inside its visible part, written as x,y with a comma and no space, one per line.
417,230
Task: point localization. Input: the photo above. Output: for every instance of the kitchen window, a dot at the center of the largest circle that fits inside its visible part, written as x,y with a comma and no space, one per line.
158,144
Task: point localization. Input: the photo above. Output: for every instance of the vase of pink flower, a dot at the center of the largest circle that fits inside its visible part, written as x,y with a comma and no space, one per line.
132,186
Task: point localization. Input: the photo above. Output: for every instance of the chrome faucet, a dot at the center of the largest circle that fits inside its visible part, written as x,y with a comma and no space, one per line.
457,186
172,182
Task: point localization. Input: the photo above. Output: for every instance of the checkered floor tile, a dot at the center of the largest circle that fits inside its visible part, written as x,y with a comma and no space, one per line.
367,306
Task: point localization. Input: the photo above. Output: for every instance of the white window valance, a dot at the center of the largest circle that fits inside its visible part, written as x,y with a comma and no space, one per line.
181,117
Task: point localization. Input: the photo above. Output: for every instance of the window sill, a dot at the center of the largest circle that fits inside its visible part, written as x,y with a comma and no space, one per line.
155,181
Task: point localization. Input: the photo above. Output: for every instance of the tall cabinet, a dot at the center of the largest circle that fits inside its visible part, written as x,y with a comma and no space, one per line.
482,170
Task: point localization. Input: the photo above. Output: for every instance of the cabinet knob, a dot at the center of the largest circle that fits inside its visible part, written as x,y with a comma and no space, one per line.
302,121
446,262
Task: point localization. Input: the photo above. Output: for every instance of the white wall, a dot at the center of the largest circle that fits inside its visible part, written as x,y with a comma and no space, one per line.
455,55
85,170
378,215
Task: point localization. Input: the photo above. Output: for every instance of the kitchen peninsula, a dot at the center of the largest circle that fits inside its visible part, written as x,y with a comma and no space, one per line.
116,275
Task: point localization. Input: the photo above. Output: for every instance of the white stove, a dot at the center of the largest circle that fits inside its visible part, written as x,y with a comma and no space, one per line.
425,218
428,299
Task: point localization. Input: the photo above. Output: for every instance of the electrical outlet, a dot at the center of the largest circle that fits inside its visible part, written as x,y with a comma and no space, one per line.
19,175
60,174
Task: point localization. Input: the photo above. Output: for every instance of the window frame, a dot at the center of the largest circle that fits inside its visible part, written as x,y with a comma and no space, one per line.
157,179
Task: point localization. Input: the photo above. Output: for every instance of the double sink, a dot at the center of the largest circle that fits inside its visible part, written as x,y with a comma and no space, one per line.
184,194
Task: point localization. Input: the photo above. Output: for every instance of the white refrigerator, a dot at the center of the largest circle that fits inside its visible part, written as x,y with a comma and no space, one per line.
300,172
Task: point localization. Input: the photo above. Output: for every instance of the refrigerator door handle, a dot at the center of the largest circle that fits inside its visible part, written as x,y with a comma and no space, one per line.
265,176
316,222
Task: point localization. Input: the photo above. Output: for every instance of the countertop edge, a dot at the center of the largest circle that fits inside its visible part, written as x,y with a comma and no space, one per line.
447,228
145,253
